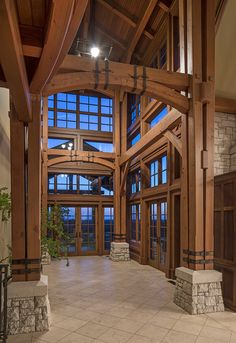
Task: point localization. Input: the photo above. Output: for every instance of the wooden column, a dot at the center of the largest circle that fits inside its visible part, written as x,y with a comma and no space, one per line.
117,172
34,190
18,195
197,38
45,156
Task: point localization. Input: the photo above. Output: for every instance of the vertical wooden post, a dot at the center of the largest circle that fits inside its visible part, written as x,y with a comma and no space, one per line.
197,58
117,172
45,157
18,196
34,190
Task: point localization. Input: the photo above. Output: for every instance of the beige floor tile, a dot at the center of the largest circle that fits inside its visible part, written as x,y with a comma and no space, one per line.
140,316
217,334
52,336
187,327
233,338
162,321
196,319
115,336
76,338
139,339
205,340
179,337
106,320
70,324
92,330
85,315
128,325
152,331
120,312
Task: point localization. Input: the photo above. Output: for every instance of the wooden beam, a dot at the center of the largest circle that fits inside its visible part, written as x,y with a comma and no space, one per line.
160,84
149,54
32,51
141,24
63,26
120,12
152,136
164,4
225,105
174,140
111,37
91,159
12,60
87,154
124,177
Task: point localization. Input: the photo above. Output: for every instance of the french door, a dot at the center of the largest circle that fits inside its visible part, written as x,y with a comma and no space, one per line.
108,228
80,224
87,230
158,234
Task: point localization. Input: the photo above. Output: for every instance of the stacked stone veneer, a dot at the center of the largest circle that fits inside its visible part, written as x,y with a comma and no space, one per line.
198,292
224,143
28,307
119,252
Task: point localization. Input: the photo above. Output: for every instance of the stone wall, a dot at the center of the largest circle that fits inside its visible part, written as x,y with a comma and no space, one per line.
224,143
5,176
198,292
119,252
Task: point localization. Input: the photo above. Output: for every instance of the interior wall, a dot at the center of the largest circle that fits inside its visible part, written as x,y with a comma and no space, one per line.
5,177
224,143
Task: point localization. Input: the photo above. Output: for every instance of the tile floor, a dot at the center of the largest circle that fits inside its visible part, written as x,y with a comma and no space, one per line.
96,300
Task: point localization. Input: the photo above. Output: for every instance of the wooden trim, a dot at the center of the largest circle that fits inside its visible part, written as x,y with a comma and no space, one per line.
174,140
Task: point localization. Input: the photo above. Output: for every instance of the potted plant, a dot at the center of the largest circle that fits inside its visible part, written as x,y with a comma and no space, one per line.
5,213
54,240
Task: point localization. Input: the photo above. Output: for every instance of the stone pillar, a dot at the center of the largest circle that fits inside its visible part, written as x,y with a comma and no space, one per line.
28,306
119,251
198,292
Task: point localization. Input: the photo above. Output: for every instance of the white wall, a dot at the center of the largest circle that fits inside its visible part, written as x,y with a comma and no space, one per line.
5,179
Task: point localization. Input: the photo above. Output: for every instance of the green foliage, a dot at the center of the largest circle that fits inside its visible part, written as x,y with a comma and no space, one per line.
5,204
53,238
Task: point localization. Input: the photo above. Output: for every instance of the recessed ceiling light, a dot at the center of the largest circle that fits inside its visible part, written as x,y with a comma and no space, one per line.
95,51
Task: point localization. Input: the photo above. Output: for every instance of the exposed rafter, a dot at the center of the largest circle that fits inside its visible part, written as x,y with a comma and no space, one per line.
12,60
66,17
152,136
81,73
141,24
120,12
174,140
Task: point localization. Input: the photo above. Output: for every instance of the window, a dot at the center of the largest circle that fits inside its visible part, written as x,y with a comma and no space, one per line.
85,112
60,143
135,222
154,180
133,108
108,226
163,232
158,171
82,184
162,57
97,146
159,116
135,182
134,140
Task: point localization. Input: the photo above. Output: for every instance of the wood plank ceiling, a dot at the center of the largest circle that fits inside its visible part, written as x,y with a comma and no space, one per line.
131,27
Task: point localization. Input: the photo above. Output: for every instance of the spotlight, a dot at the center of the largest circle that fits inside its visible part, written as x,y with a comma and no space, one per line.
71,144
63,146
69,148
95,51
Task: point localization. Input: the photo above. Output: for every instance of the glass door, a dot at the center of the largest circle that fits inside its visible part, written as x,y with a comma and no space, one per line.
69,226
87,230
108,228
158,234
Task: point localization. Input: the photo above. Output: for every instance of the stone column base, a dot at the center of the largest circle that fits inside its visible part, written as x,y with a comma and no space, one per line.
28,306
198,292
119,251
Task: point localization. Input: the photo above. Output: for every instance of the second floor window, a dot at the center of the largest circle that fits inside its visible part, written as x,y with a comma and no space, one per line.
133,108
82,184
84,112
158,171
135,181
